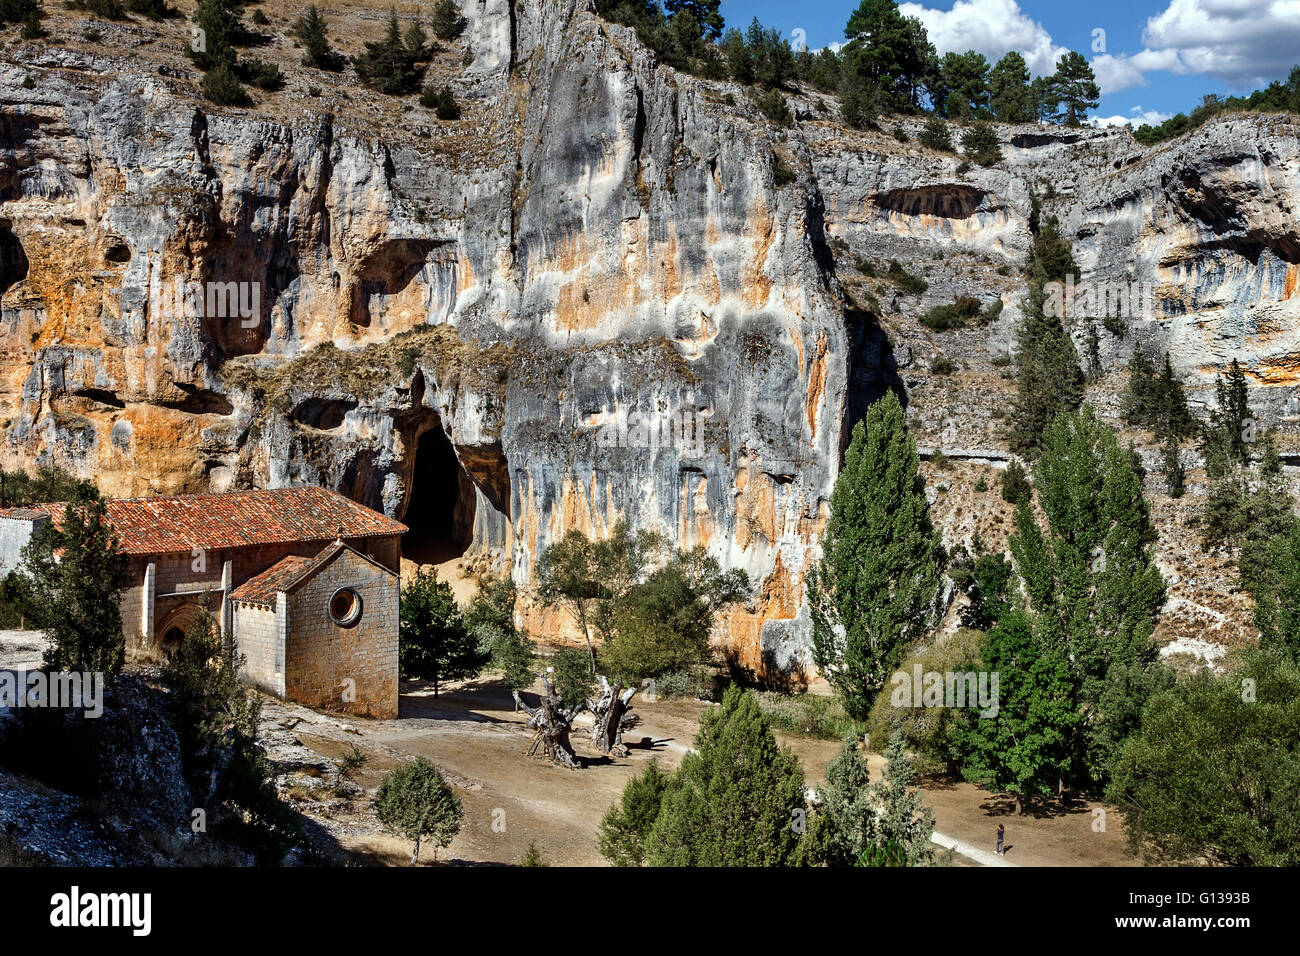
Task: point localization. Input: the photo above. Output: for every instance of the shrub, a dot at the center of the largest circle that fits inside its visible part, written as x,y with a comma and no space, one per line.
571,675
260,18
626,824
1015,482
980,144
533,856
900,134
935,135
782,175
911,284
686,682
447,21
442,102
221,86
415,802
259,73
773,105
945,317
942,366
810,715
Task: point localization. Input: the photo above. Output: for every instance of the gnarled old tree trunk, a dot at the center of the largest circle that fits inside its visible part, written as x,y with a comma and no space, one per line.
612,717
550,723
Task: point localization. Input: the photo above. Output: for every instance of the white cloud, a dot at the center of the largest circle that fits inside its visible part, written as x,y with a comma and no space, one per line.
991,27
1137,117
1244,43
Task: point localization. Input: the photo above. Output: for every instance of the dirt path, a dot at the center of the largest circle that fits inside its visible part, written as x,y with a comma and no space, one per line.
474,733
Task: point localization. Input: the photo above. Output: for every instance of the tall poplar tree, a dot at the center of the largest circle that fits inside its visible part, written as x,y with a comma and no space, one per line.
871,594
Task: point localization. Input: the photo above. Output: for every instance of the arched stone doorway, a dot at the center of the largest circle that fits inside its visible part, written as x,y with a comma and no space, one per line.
169,634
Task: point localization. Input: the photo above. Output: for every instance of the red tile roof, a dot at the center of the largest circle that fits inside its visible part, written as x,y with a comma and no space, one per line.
235,519
262,588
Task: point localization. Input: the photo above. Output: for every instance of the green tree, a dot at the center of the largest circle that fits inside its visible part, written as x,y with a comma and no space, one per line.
704,12
1092,579
1214,771
446,20
1024,747
221,86
962,89
1231,428
844,824
220,29
890,54
588,578
390,65
433,641
312,32
1014,483
626,824
71,576
1277,596
1050,380
903,819
490,620
571,676
737,797
872,592
935,135
663,624
217,722
980,144
415,802
1009,91
1075,87
1171,463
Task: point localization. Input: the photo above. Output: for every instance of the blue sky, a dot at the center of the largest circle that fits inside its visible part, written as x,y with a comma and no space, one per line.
1158,58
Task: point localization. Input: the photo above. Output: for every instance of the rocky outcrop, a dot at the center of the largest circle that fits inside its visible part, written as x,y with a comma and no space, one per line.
596,288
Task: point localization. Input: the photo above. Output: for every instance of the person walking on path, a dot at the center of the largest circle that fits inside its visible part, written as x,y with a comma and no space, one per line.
1001,833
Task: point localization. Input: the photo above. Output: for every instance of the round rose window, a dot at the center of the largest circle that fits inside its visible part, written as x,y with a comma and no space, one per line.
345,607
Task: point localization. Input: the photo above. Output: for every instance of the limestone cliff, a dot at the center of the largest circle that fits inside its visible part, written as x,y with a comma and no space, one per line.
601,288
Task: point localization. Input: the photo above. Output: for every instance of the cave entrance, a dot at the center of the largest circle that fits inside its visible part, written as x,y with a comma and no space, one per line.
13,261
440,504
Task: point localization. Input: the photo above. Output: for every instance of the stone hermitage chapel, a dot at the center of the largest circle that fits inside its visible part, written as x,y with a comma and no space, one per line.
304,581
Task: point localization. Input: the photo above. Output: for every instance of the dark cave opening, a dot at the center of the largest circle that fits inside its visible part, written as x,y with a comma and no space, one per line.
13,261
440,505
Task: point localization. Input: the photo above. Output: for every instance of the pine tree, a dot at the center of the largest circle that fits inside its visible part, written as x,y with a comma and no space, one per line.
871,594
704,12
1276,592
903,820
1174,473
980,144
390,65
889,54
446,20
1092,580
844,825
1049,380
736,800
1075,85
220,28
312,32
626,824
433,641
71,577
935,135
1009,91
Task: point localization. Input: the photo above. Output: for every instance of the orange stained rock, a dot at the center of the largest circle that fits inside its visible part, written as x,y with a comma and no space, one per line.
816,383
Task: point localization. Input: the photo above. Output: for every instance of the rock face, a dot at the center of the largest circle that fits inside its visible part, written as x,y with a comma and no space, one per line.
601,295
